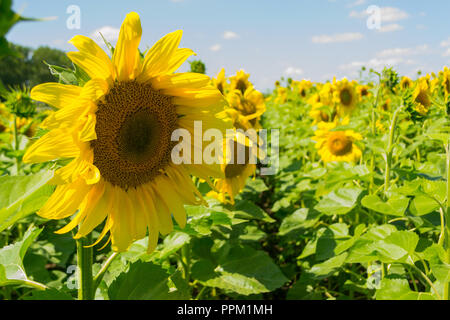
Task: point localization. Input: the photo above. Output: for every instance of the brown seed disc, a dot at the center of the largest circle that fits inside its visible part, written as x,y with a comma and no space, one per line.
134,128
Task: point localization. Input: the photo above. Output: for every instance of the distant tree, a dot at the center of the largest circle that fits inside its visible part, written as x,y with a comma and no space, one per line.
40,72
15,69
198,66
28,67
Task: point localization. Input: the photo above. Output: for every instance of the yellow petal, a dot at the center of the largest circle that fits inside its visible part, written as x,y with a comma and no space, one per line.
92,65
87,45
96,210
88,132
157,61
181,80
125,57
180,56
54,145
56,94
65,200
172,201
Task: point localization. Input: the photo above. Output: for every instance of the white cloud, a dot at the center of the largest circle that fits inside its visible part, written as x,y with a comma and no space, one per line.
445,43
387,14
377,63
357,3
447,53
215,47
111,34
230,35
340,37
391,28
402,52
292,71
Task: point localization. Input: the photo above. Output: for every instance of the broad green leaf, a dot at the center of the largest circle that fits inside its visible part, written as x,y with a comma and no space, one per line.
172,243
21,196
407,240
243,270
49,294
12,271
395,206
325,268
248,210
398,289
300,219
143,281
339,201
422,205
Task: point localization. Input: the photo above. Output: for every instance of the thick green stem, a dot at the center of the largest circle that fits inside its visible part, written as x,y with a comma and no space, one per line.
447,222
16,143
389,151
85,261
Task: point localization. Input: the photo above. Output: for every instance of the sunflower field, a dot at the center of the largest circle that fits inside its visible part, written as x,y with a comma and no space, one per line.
93,205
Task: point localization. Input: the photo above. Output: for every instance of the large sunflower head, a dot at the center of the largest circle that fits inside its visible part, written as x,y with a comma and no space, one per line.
240,82
421,97
117,129
335,145
345,96
240,155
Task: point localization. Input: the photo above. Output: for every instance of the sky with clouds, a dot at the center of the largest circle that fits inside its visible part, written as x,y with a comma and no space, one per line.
301,39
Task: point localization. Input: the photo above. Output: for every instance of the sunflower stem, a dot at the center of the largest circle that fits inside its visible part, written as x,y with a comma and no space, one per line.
446,221
85,261
389,151
16,143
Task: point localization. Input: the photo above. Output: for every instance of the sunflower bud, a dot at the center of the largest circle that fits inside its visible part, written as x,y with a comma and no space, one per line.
19,102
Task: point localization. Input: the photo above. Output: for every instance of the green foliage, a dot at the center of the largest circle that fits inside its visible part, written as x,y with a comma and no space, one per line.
197,66
30,67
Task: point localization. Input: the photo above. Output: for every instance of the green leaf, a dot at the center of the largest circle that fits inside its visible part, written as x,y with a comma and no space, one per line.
422,205
339,201
395,206
328,267
172,243
143,281
49,294
398,289
21,196
300,219
243,270
12,271
249,210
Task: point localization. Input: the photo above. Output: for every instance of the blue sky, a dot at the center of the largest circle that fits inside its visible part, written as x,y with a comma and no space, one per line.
302,39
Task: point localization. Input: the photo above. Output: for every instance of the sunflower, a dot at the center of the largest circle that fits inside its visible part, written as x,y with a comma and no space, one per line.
221,82
446,82
303,87
345,96
250,106
240,82
319,112
421,96
363,92
406,83
337,145
326,94
117,129
281,95
237,165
